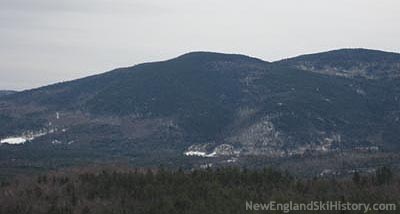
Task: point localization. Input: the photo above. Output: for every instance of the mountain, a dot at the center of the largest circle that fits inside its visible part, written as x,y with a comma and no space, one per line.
369,64
202,109
6,92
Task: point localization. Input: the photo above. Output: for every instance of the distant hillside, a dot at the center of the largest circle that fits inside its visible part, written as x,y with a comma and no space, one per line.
210,108
370,64
6,92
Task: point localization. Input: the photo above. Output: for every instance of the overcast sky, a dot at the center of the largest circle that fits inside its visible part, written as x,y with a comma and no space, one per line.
47,41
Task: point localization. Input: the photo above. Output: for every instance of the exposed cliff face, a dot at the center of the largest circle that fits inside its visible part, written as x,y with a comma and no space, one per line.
260,138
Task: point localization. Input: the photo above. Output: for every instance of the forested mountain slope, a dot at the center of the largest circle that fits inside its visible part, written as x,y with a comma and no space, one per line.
222,107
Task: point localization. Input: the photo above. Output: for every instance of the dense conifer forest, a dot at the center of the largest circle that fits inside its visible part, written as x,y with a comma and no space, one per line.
123,190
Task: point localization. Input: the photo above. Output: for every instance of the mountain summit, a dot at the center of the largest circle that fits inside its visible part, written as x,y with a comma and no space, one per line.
221,107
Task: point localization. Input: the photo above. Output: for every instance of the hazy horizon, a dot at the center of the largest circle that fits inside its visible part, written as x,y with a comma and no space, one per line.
44,42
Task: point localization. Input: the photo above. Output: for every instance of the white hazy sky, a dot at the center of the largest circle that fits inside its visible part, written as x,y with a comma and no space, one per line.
47,41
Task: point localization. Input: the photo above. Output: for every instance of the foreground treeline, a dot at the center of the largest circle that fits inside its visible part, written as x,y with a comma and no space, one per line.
112,190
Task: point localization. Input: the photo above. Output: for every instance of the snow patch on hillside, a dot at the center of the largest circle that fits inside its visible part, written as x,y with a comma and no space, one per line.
14,140
195,153
200,154
220,150
26,136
